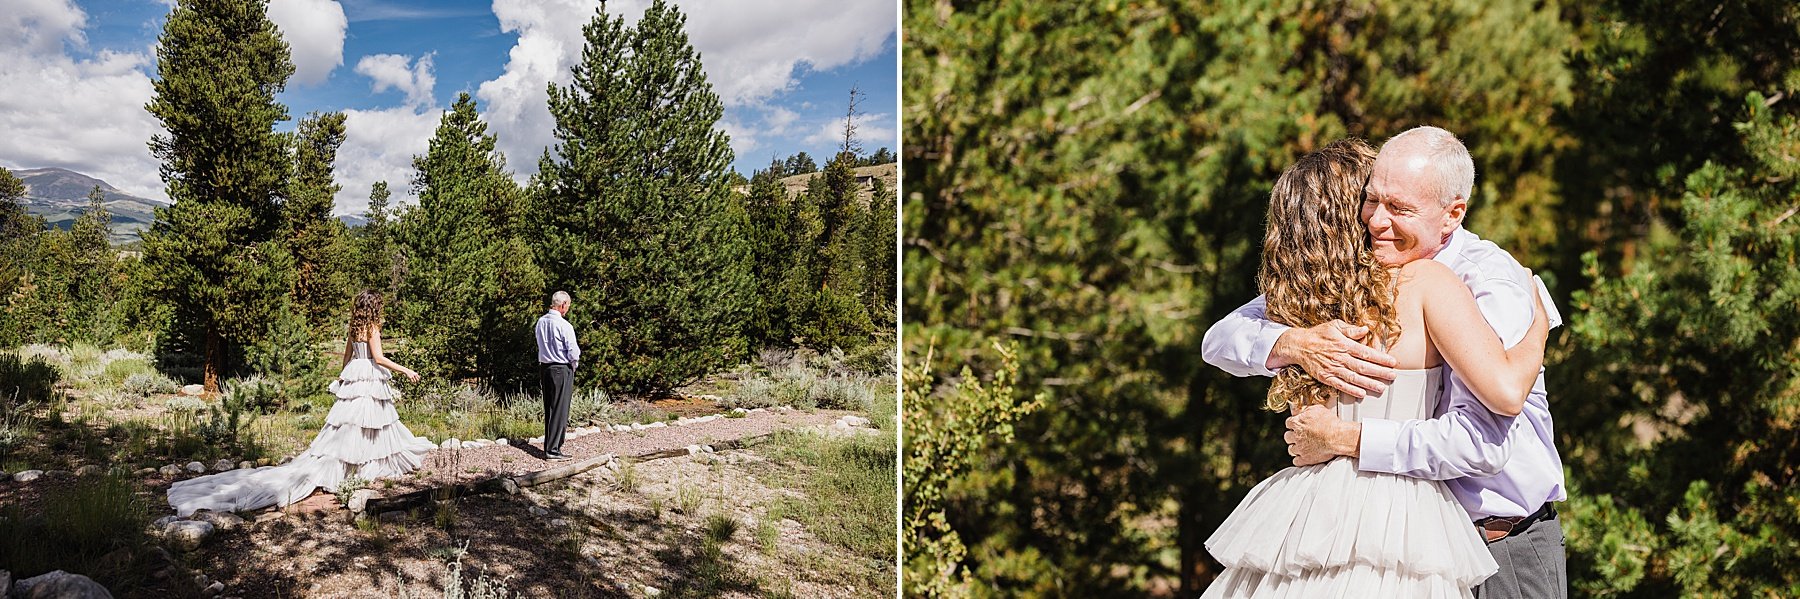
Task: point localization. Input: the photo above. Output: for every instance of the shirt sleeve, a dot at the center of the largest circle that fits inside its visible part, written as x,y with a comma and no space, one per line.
569,346
1240,343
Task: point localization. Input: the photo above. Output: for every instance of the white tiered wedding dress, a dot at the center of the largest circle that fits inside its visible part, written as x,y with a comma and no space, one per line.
1329,530
362,437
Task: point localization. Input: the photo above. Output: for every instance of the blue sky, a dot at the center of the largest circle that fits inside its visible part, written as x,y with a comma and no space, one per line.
75,74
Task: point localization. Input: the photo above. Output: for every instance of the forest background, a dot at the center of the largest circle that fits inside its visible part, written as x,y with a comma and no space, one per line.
1085,187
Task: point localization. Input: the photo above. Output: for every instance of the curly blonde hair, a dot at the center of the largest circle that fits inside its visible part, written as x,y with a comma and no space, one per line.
1317,261
365,312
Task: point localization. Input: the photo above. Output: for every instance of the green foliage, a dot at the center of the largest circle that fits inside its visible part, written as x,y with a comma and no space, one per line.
318,242
469,298
77,528
214,255
377,265
26,379
634,215
289,366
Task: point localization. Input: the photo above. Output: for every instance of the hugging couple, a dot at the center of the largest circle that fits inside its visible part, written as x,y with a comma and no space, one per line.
1398,339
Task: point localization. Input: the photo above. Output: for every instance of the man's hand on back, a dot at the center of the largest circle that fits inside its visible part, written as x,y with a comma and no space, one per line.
1331,353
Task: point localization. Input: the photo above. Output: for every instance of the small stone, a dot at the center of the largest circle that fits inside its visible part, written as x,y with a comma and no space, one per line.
27,476
739,411
221,465
194,467
538,440
269,516
757,410
200,580
170,470
221,520
637,427
359,500
560,523
188,534
652,591
245,465
485,442
539,511
193,390
88,470
451,443
502,441
165,521
854,420
60,584
655,425
694,449
470,445
215,588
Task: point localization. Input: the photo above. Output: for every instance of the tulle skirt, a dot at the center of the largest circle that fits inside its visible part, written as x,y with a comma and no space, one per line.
1329,530
362,437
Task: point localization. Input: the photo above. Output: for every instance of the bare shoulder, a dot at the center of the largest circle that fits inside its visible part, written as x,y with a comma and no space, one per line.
1428,273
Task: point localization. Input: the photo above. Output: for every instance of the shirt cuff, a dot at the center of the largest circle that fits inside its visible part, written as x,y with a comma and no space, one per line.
1376,453
1262,347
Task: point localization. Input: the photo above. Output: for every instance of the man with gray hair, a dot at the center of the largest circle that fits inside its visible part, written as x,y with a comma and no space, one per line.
1503,468
558,356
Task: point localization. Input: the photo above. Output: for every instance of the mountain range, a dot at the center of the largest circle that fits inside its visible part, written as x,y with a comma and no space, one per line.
60,196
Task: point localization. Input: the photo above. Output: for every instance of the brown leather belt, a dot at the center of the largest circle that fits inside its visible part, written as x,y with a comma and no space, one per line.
1494,528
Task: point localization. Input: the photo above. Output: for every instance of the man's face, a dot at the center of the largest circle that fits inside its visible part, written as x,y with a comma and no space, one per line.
1405,220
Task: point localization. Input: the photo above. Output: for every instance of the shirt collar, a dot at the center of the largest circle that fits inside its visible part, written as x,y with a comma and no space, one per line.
1454,247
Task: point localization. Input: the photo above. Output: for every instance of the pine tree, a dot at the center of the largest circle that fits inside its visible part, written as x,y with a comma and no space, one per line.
378,267
878,257
635,215
838,314
215,253
771,321
317,241
93,285
472,289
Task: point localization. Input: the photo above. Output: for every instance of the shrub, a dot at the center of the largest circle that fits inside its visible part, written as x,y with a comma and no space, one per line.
185,404
117,371
76,529
150,383
27,379
254,393
842,393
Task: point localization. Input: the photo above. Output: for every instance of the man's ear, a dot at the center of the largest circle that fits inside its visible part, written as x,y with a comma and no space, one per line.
1454,213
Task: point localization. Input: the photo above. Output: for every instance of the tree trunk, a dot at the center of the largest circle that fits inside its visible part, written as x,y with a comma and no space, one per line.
214,360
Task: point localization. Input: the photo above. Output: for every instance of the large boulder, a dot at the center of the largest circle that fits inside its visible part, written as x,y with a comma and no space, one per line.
60,585
359,500
187,535
193,390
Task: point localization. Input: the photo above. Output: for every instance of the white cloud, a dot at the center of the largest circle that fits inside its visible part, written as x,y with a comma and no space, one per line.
870,132
83,114
379,145
776,120
393,71
314,30
751,52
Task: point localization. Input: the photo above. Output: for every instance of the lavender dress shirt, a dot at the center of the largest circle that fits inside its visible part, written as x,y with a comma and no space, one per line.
1494,465
556,340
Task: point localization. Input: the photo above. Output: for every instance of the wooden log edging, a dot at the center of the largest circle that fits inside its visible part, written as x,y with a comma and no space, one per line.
510,484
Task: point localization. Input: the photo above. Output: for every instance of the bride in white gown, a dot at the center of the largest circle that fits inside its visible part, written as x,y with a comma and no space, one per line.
362,436
1329,530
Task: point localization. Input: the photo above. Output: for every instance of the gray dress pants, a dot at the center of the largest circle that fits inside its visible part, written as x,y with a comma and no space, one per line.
1532,564
557,382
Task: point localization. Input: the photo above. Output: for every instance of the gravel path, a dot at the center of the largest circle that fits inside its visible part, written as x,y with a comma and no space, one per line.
519,456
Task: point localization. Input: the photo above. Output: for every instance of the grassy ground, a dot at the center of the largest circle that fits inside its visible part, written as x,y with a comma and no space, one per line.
68,407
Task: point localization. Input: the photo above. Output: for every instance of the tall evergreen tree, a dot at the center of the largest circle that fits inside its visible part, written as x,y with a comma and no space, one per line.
377,268
93,282
837,312
317,241
878,257
636,216
771,320
472,289
214,253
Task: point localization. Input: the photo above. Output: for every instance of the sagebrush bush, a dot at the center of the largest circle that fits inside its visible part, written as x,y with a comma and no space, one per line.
117,371
185,404
27,379
150,383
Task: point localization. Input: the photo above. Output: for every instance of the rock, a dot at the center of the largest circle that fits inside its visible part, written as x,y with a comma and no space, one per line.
708,448
188,534
758,410
451,443
264,461
214,589
88,470
194,467
539,511
502,441
165,521
651,591
59,585
221,465
170,470
25,477
269,516
560,523
220,520
359,500
538,440
655,425
484,442
470,445
854,420
739,411
200,580
246,464
693,449
58,474
193,390
146,471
